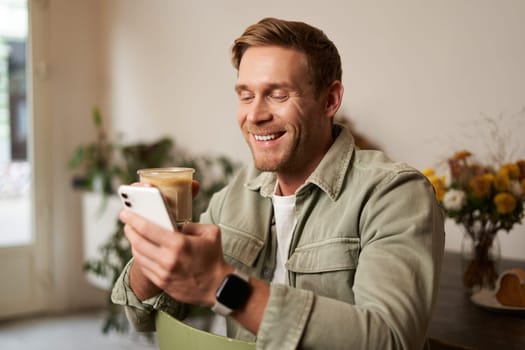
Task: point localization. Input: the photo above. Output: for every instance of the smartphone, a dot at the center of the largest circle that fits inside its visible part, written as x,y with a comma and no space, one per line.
147,202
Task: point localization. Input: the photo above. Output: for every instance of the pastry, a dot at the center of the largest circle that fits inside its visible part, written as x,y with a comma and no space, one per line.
510,288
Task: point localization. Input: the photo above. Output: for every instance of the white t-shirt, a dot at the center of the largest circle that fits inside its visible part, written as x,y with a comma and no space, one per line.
284,211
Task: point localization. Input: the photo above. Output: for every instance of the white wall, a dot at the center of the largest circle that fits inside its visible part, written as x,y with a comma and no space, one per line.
418,75
72,59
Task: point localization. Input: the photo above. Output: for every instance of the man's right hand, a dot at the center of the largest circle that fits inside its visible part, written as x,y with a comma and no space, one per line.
142,287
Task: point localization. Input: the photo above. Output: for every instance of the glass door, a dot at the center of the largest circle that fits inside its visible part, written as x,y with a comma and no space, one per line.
15,170
22,286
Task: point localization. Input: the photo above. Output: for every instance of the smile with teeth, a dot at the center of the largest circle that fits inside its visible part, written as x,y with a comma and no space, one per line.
266,137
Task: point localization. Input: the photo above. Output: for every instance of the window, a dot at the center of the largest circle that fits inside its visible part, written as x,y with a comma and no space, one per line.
15,173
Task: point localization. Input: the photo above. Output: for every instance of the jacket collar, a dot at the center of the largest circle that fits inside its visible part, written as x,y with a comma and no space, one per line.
328,175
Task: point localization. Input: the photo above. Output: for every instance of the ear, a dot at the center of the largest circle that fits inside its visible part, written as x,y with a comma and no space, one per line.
334,97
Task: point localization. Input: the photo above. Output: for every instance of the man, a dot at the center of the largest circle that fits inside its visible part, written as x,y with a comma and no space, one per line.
342,246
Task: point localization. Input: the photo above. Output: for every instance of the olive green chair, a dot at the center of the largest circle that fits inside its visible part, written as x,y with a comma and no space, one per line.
173,334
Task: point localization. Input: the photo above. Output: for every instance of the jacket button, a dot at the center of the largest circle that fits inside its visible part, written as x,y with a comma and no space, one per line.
267,274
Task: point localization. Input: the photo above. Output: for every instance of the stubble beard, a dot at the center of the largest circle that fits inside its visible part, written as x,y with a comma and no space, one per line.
272,161
262,162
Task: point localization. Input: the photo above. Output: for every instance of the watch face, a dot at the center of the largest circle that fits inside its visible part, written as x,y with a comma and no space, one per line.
233,292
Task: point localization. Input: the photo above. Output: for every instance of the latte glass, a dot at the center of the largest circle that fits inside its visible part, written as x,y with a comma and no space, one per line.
175,184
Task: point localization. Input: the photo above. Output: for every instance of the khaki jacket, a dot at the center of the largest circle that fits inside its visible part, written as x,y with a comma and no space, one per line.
364,261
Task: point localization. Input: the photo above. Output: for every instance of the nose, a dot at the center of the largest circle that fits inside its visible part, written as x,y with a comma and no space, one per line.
258,111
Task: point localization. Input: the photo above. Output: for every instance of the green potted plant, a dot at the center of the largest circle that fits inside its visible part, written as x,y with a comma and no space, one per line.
95,161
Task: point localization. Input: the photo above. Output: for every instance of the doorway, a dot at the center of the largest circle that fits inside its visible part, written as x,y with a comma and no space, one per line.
23,253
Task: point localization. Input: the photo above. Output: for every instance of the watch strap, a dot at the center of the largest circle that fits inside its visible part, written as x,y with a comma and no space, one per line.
221,309
241,274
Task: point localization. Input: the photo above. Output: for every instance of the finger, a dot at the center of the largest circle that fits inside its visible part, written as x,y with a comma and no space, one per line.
161,281
195,186
150,268
120,215
191,229
196,229
148,254
149,230
140,244
150,271
154,243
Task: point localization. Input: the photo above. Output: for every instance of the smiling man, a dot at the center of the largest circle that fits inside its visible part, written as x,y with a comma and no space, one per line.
318,245
286,122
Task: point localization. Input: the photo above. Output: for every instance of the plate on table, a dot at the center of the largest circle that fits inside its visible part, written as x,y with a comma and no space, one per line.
487,299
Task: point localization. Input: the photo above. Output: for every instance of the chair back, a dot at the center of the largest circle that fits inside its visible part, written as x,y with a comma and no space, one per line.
173,334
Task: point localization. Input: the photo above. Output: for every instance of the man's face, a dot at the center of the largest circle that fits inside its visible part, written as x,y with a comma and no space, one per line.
282,120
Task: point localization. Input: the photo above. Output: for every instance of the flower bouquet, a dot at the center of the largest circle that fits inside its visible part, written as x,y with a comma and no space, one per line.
483,200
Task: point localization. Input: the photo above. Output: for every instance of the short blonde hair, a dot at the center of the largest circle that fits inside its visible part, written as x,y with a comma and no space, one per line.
324,62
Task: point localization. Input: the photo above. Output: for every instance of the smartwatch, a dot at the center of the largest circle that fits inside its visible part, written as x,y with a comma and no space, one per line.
232,294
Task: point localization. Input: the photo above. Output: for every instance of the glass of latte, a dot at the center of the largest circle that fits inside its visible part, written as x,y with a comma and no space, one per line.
175,184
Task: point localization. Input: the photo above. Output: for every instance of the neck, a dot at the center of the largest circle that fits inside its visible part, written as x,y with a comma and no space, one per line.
287,186
290,179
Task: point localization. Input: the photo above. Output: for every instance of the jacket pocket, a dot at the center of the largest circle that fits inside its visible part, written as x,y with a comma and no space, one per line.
240,246
327,268
335,254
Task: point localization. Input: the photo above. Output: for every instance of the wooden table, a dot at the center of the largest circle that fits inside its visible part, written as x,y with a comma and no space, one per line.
459,321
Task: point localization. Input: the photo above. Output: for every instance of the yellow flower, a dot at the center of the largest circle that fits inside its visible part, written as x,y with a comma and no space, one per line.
489,177
502,181
512,170
521,165
428,172
505,203
438,182
481,185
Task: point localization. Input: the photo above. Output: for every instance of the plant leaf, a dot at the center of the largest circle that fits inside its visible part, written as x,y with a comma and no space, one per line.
97,118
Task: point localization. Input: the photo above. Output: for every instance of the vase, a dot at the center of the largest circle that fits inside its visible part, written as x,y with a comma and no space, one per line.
480,255
99,218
